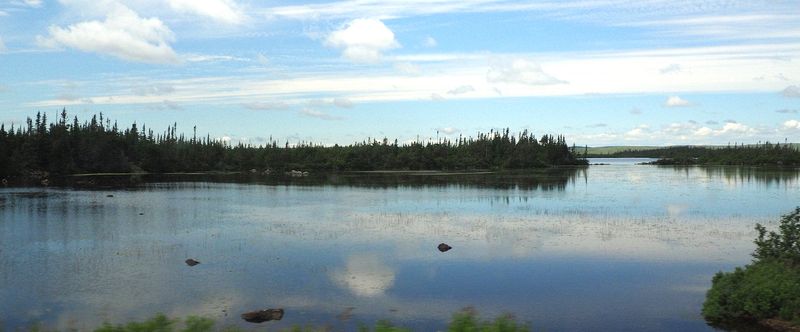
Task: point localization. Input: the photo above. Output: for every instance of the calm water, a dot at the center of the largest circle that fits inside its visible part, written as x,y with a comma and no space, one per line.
614,247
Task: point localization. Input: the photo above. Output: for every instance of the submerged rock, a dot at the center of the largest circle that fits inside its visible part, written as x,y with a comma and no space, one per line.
261,316
191,262
109,195
444,247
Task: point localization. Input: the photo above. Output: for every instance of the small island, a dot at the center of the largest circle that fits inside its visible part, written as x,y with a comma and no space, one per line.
99,145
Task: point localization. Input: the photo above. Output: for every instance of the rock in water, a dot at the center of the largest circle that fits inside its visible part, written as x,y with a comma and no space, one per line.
263,315
191,262
444,247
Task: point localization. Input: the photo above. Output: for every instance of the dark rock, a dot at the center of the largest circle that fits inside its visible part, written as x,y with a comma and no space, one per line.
444,247
109,195
191,262
141,213
263,315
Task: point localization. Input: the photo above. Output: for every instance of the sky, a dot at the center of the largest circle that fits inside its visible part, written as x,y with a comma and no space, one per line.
601,72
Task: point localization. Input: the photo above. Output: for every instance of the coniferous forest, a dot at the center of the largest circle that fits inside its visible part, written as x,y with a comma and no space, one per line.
761,154
69,146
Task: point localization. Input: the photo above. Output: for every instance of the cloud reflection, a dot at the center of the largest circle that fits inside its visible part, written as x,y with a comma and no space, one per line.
365,275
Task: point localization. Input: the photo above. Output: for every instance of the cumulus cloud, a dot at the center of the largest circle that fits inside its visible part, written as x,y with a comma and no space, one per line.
792,91
461,90
123,34
637,133
675,101
437,97
363,40
448,130
791,124
312,113
225,11
733,127
519,71
266,106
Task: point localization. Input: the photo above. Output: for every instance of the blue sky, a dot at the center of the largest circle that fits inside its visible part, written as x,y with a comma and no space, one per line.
602,72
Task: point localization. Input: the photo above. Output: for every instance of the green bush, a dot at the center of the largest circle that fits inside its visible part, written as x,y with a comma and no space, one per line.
467,321
767,288
161,323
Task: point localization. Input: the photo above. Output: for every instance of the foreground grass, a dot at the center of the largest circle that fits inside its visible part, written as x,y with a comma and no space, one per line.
767,289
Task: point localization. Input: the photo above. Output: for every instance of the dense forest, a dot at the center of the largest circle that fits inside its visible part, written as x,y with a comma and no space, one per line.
749,155
99,146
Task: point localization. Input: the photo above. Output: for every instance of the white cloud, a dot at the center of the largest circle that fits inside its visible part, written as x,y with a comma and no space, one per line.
3,13
211,58
448,130
792,91
437,97
675,101
225,11
430,42
704,131
343,102
408,68
461,90
172,105
637,133
262,59
123,34
312,113
266,106
733,127
33,3
153,90
363,40
519,71
791,124
672,68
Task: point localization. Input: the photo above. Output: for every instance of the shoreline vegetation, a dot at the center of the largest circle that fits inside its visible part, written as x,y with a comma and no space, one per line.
761,154
464,320
41,149
768,290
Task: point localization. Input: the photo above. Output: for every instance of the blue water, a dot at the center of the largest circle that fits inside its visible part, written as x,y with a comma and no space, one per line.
619,247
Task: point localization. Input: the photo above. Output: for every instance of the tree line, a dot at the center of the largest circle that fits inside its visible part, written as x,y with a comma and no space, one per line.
761,154
68,146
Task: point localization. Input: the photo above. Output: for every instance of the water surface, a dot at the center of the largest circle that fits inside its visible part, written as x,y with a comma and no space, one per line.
611,247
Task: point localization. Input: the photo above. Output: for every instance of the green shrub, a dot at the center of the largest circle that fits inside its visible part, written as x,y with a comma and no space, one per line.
767,288
467,321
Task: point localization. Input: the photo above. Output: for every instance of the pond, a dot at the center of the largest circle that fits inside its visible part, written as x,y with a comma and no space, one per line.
617,246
